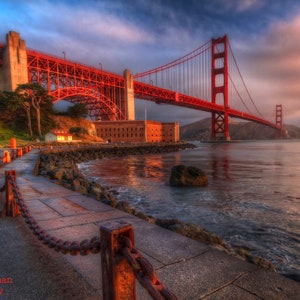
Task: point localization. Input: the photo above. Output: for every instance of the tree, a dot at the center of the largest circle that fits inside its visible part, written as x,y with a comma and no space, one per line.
78,131
47,112
11,103
78,110
33,94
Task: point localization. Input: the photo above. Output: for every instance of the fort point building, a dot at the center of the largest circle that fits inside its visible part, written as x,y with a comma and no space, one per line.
137,131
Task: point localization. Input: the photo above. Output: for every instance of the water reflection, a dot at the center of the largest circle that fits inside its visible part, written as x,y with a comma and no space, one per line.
220,167
252,199
153,167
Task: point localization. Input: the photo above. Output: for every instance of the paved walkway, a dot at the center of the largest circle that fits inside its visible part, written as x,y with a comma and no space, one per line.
190,269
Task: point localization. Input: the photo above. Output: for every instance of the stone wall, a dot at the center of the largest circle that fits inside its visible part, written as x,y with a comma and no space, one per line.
61,165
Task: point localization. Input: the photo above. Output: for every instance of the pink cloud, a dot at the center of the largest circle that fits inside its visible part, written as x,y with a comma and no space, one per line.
271,66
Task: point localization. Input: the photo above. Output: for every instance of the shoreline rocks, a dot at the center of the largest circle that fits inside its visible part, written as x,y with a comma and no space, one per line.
61,167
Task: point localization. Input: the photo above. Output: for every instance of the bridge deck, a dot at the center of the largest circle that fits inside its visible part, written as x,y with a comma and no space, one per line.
190,269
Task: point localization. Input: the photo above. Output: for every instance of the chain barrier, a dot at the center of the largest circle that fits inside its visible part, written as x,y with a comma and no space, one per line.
74,248
13,153
141,267
144,271
2,159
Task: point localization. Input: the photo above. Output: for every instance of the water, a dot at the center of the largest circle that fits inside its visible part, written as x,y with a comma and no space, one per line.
252,199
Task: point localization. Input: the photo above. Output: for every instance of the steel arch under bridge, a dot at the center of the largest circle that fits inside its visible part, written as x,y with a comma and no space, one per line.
102,92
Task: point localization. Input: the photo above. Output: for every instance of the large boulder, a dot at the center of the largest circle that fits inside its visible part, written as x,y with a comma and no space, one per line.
187,176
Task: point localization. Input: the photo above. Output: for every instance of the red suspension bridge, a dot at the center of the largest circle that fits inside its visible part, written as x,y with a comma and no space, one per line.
206,79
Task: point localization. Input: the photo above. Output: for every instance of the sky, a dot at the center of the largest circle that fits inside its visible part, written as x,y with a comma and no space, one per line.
143,34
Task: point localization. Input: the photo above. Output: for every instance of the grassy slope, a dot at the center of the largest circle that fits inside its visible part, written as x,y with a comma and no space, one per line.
62,122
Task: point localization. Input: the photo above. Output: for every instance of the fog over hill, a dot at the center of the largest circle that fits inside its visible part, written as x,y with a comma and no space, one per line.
201,130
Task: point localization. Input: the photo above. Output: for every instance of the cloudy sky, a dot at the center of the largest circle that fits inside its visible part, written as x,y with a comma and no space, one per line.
143,34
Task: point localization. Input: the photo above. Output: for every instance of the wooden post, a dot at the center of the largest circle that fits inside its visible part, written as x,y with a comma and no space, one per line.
118,280
19,152
13,143
11,208
6,158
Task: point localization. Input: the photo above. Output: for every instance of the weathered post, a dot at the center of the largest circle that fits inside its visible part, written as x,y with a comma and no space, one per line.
6,158
11,208
19,152
118,279
13,143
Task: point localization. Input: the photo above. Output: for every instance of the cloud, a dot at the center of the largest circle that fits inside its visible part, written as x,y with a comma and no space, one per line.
271,64
108,34
92,34
138,35
247,5
87,22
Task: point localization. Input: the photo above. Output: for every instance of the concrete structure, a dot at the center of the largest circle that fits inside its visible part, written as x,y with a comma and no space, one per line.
58,135
13,70
137,131
129,95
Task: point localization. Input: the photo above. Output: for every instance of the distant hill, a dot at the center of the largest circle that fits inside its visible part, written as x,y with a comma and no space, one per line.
201,130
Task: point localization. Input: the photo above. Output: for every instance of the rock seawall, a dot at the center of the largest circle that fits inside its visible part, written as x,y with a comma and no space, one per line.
61,167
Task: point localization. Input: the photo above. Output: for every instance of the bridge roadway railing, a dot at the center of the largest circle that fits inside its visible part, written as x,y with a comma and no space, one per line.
161,95
121,262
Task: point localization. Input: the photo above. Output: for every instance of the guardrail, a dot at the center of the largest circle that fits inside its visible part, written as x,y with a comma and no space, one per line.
121,262
8,155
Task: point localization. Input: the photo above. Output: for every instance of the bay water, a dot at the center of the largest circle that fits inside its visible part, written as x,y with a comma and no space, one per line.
252,199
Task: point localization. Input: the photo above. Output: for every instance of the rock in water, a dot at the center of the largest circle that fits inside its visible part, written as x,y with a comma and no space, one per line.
187,176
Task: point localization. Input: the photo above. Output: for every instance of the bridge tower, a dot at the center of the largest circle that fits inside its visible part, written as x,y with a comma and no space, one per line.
279,120
219,88
279,115
13,67
129,95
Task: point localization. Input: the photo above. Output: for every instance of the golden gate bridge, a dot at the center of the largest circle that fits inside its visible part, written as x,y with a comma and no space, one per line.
206,79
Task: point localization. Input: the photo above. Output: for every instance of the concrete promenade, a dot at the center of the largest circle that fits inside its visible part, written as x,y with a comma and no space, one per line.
191,270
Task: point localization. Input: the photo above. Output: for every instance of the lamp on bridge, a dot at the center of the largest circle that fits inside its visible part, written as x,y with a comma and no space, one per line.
100,65
64,53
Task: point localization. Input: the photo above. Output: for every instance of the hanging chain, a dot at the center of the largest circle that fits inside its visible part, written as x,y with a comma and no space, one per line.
142,268
144,271
74,248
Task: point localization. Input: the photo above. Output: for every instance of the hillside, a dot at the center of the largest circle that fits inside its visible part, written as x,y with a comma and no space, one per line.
65,123
201,130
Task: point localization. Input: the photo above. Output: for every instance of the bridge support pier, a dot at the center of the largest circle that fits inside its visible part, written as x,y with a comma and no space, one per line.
220,127
129,95
13,70
219,88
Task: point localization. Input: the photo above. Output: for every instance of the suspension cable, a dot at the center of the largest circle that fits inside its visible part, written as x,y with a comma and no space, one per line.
178,61
238,69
